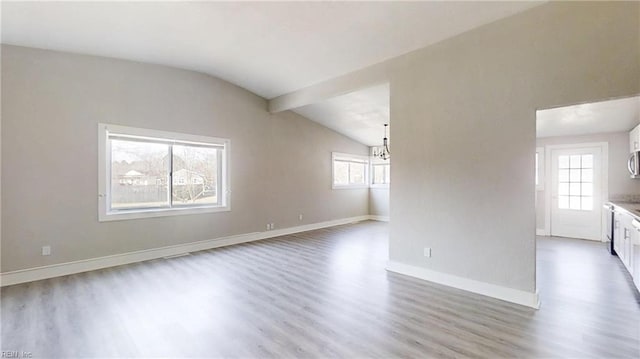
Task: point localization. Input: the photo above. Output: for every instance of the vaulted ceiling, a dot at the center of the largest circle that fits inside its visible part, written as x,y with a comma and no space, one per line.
269,48
360,115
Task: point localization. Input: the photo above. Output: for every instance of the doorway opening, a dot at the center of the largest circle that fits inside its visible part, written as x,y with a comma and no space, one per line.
581,161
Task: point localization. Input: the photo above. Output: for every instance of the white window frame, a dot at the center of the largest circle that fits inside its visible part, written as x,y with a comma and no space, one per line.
104,173
379,162
541,169
350,158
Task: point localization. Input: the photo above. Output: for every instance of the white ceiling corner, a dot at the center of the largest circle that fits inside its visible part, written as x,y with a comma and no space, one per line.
616,115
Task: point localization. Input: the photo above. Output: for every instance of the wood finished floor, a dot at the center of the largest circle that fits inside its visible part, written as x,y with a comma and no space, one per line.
323,293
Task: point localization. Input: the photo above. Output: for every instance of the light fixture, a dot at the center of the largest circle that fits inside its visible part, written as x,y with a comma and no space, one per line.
383,152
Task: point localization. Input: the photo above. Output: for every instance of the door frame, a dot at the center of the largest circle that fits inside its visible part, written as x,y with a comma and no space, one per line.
604,147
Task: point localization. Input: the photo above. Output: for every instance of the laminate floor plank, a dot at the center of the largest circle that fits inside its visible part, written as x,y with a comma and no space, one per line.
322,294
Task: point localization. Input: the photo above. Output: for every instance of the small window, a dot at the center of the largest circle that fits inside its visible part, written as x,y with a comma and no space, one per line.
350,171
575,182
381,174
539,169
148,173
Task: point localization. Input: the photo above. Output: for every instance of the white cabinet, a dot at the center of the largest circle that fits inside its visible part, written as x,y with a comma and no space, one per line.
634,139
635,253
625,244
636,260
617,234
626,241
628,247
628,230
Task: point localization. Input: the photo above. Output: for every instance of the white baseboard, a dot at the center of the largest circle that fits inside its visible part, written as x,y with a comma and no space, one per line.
541,232
311,227
487,289
57,270
379,218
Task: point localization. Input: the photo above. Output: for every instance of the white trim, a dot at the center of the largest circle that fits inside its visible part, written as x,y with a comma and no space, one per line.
379,218
604,146
541,169
487,289
359,186
165,135
62,269
377,160
379,186
349,157
540,232
160,212
104,173
313,226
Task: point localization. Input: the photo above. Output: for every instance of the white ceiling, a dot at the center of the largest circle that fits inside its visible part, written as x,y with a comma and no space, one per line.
269,48
360,115
598,117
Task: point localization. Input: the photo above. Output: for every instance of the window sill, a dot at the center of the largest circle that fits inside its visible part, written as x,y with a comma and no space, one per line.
153,213
349,187
380,186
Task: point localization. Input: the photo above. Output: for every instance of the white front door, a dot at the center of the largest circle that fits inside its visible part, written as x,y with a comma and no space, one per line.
576,193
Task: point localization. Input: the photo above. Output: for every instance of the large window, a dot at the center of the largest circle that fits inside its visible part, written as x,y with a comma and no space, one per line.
350,171
148,173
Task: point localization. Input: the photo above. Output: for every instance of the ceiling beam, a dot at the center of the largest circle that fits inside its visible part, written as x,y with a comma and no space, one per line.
377,74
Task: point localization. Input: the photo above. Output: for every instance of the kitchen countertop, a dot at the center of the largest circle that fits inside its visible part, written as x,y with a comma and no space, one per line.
632,208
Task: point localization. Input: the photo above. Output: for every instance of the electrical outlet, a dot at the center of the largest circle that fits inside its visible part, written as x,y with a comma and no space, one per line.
300,217
46,250
427,252
268,226
273,226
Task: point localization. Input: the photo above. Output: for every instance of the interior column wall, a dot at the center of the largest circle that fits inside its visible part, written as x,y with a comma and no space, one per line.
463,113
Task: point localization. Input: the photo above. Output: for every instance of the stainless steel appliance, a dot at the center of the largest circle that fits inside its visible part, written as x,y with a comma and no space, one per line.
609,212
633,164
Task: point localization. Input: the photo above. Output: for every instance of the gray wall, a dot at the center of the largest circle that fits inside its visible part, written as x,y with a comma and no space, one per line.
51,105
619,181
379,201
463,114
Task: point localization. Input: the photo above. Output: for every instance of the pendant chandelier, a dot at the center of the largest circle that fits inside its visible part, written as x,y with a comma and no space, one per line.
383,152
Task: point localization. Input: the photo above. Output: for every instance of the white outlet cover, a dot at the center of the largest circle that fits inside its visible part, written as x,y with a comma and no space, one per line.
427,252
46,250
